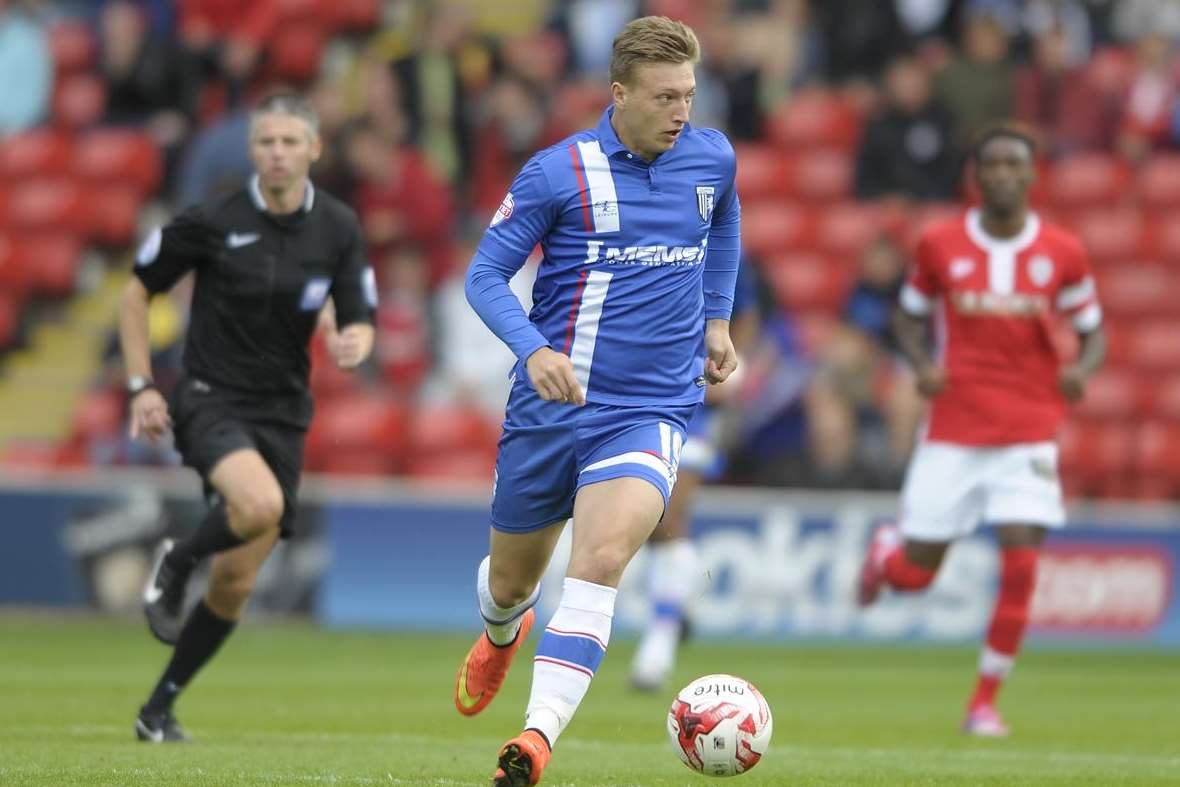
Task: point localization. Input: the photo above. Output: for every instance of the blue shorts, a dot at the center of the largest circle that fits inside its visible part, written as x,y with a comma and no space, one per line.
549,450
700,453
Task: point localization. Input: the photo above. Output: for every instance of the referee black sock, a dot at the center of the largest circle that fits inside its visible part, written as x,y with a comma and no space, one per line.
200,638
212,535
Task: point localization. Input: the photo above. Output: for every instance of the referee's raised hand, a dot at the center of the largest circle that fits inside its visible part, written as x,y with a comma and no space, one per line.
149,415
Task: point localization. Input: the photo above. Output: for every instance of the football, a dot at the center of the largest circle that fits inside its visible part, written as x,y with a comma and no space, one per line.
719,725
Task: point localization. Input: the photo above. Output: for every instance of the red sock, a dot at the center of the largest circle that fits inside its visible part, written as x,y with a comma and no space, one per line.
904,575
1018,576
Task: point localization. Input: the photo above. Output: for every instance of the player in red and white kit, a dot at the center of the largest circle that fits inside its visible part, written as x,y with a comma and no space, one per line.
992,283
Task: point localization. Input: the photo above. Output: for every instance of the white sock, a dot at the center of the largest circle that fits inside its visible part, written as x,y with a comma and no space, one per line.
569,653
502,623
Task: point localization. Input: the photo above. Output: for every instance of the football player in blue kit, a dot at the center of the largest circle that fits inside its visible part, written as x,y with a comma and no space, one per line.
638,222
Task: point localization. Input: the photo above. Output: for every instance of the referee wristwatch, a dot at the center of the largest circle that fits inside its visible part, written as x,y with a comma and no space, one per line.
137,384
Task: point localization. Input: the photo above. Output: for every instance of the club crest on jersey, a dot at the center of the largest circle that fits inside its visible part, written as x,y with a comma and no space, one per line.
1040,270
504,211
705,202
961,267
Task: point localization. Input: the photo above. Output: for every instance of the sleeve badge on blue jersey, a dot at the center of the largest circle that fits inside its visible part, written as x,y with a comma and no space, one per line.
504,211
705,202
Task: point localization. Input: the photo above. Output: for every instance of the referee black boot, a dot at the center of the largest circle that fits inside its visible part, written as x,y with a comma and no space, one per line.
163,597
159,727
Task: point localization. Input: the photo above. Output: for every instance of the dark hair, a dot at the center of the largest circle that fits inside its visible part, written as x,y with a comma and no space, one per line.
1006,130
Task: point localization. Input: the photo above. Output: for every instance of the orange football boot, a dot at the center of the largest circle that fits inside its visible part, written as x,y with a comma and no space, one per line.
482,672
522,760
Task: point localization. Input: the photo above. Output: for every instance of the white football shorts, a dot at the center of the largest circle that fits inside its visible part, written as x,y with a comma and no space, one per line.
950,489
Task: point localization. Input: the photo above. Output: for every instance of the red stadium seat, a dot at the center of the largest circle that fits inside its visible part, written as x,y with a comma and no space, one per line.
123,156
79,100
37,153
460,465
822,174
1155,345
1118,344
1165,236
1158,181
805,281
295,51
1157,451
13,279
815,117
99,413
771,226
447,431
72,46
49,262
761,171
1087,179
1094,452
846,228
30,454
327,379
348,426
48,204
1111,394
1165,396
1137,290
925,217
111,213
1113,234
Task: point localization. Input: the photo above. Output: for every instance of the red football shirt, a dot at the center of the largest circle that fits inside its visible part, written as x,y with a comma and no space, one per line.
993,302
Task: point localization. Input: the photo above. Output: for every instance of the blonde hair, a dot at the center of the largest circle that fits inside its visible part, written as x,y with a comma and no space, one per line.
652,39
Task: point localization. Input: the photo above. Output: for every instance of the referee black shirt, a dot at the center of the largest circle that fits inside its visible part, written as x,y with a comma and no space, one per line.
261,280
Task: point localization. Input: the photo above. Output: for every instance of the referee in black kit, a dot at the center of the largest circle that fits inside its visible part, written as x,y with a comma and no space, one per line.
267,258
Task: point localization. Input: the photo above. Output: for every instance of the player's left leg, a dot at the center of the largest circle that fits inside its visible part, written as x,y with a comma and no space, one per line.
673,572
1024,498
1019,548
231,580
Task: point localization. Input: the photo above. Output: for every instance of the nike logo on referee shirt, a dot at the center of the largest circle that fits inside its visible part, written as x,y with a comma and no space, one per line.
236,240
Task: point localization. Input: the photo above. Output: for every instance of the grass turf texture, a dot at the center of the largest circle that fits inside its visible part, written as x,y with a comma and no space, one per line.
298,705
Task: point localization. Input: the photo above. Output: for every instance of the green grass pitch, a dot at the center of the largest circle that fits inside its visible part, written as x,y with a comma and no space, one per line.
298,705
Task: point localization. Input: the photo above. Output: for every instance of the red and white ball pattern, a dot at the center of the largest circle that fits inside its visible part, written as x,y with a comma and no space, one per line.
720,725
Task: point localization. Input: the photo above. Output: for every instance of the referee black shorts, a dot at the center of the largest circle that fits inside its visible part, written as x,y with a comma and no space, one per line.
210,424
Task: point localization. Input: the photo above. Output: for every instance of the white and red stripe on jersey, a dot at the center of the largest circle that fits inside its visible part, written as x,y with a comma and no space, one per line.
994,303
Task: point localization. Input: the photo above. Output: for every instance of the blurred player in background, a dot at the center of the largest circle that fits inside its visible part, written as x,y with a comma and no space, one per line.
638,221
674,571
267,259
993,282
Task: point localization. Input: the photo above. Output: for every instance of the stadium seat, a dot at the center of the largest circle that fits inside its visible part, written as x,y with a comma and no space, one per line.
1130,290
111,214
98,414
1158,183
44,204
72,47
1118,343
438,428
1165,237
120,156
1112,234
815,118
79,101
821,174
1155,344
295,50
49,262
353,425
846,228
30,455
1165,396
926,216
761,171
39,152
1157,451
1112,393
770,226
1087,179
1094,451
805,281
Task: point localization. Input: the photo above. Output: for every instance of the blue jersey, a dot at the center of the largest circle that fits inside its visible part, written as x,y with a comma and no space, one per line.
637,255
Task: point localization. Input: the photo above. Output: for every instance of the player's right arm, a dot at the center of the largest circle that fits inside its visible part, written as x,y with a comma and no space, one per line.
525,216
911,317
166,255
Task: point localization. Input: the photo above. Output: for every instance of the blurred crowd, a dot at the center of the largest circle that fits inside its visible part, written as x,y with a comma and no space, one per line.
864,108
